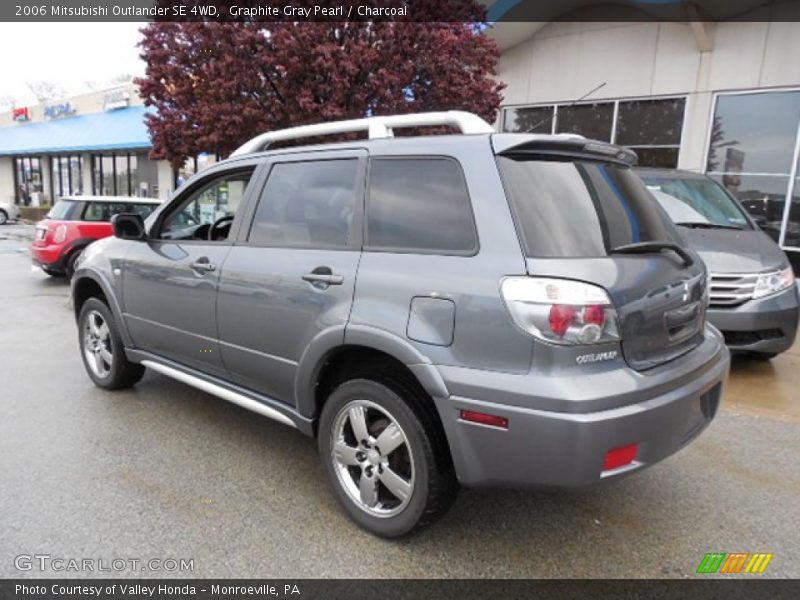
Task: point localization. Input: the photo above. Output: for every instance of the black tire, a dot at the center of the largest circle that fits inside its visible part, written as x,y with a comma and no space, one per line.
434,482
3,217
121,372
764,355
52,273
69,265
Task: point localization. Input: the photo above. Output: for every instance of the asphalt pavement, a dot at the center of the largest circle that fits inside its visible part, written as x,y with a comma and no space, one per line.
167,472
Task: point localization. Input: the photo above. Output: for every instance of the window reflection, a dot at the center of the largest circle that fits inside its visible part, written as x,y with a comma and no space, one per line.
590,120
763,196
754,133
534,119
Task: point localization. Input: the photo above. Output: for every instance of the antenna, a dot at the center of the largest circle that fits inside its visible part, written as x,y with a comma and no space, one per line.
574,102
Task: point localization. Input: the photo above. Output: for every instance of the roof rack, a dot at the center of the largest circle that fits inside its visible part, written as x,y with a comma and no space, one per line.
377,128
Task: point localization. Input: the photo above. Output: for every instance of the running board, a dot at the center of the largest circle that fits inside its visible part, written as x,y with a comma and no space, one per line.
220,392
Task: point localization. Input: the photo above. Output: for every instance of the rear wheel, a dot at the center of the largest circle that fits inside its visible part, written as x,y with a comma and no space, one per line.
102,350
69,266
764,355
3,217
385,456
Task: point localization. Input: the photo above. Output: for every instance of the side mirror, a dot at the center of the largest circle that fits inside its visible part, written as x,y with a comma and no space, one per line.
128,226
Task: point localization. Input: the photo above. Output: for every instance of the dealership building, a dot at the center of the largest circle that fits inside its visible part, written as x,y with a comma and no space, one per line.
720,98
96,143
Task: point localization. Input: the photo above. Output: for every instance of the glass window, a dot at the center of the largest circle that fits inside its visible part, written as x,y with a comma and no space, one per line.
580,209
650,122
533,119
65,210
213,204
589,120
419,204
695,201
754,133
792,237
107,184
103,211
661,158
29,180
121,175
307,204
763,196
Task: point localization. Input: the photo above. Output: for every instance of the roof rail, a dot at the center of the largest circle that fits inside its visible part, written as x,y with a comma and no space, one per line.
377,128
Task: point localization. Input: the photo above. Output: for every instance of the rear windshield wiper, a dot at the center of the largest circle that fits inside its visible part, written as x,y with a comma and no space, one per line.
701,225
654,248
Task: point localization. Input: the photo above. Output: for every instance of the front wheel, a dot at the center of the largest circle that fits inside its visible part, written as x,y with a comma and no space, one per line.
102,350
3,217
385,456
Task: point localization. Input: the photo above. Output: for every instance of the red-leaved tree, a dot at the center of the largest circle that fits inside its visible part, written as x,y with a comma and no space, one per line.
215,85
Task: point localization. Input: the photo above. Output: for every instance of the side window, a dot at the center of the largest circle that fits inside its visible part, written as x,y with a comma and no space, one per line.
310,203
103,211
98,211
419,204
207,214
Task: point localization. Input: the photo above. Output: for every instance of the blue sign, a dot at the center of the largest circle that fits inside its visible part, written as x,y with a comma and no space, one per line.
53,111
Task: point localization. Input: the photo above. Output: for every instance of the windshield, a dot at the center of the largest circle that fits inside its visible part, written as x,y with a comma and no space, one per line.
694,202
567,208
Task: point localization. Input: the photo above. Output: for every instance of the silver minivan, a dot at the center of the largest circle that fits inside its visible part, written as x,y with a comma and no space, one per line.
753,296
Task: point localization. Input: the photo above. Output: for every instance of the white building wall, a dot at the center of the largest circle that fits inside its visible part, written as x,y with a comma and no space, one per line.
564,60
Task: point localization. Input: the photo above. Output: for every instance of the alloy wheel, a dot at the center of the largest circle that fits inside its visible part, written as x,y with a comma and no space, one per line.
97,347
372,458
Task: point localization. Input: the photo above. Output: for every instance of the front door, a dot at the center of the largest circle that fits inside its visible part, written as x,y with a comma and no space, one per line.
170,281
291,275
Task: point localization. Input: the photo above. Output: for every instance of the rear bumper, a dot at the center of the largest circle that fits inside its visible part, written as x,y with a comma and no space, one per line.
48,256
765,325
545,448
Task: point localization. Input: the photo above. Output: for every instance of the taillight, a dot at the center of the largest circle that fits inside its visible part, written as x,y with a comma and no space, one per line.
60,234
561,311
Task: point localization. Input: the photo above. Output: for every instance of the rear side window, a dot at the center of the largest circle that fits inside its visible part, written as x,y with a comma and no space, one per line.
419,205
65,210
307,204
580,208
103,211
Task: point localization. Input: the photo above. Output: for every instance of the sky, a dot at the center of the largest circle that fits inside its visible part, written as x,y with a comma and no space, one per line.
66,54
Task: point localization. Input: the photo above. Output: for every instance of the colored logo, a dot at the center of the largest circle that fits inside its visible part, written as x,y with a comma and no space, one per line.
734,562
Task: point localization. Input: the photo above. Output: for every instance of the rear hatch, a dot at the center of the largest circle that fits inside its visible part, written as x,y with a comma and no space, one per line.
582,214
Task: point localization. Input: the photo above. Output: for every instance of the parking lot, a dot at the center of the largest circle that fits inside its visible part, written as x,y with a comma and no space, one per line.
166,471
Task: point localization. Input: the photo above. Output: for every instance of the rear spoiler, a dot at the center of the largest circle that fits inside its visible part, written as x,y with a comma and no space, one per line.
565,146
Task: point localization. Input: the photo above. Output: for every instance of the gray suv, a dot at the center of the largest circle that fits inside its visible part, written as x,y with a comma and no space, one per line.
484,309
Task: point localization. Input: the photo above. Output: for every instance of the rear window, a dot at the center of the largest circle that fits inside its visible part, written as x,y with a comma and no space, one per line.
581,208
419,205
64,210
103,211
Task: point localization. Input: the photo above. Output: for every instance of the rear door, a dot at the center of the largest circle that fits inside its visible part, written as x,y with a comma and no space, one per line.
575,216
291,275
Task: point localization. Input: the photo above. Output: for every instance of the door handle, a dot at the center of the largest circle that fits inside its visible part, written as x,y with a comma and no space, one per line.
324,278
203,266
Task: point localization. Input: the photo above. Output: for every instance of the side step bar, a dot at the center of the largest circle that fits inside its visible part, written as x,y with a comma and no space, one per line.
220,392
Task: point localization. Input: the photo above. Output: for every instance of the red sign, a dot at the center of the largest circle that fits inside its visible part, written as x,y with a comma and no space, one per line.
21,114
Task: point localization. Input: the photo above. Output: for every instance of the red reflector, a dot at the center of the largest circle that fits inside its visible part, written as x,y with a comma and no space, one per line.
484,419
617,457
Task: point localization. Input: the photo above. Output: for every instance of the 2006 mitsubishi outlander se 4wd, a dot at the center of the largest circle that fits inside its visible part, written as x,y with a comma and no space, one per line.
477,308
